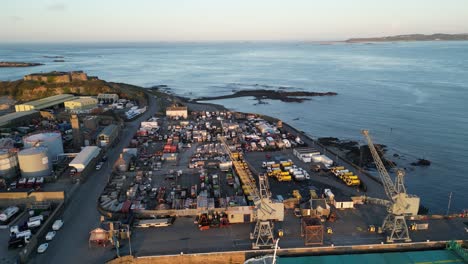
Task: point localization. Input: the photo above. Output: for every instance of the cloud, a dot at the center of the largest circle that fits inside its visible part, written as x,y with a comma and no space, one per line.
57,7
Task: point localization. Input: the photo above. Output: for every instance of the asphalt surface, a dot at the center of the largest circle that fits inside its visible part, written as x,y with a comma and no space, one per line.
81,216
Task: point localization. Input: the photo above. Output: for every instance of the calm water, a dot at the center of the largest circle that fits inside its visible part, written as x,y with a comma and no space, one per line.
411,96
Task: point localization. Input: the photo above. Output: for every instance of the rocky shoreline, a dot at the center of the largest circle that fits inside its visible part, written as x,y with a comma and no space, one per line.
264,94
6,64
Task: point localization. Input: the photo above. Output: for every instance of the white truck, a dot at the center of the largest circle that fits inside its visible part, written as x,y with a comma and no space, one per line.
329,194
267,163
8,213
299,177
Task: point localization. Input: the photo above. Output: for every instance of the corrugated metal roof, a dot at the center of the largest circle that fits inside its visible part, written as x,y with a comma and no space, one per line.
107,131
50,101
7,118
85,156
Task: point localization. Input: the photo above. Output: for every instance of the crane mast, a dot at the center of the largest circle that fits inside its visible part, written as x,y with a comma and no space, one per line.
265,210
389,187
400,204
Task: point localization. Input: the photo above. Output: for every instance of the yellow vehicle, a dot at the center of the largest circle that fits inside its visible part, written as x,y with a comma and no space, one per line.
296,194
282,178
286,164
280,233
350,182
352,177
276,165
372,228
313,194
329,230
337,168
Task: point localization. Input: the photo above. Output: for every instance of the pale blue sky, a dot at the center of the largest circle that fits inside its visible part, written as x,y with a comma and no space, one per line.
225,20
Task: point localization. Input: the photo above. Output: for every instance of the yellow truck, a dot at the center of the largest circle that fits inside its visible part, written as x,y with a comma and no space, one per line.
337,168
353,182
296,194
282,178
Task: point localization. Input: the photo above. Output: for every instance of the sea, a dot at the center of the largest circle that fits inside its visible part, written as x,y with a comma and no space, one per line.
411,96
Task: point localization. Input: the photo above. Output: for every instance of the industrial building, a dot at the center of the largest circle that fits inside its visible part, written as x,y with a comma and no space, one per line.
108,135
51,140
108,98
44,102
82,160
177,111
18,118
8,164
82,103
34,162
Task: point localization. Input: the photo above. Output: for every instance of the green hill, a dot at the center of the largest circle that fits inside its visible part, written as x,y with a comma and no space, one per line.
23,91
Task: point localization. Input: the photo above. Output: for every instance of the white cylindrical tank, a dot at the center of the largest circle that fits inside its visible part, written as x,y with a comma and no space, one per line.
51,140
8,164
34,162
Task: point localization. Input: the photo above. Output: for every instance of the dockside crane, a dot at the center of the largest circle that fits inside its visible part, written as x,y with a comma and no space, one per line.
265,209
400,203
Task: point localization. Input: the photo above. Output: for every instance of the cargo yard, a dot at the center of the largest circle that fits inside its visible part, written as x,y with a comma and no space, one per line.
193,179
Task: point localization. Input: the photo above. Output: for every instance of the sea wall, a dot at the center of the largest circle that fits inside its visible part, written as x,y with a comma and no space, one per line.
241,256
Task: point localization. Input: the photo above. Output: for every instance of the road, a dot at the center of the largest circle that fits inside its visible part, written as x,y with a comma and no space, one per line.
81,216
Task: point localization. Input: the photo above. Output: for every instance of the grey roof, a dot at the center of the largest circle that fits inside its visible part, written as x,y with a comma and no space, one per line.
50,101
7,118
315,203
107,131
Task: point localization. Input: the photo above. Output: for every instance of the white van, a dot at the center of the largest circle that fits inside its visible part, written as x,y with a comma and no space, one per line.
26,234
33,224
9,212
35,218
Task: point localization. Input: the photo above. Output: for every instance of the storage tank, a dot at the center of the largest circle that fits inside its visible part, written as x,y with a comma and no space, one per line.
51,140
8,164
34,162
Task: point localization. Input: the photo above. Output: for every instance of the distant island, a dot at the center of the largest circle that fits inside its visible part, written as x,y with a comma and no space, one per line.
5,64
262,94
411,37
53,57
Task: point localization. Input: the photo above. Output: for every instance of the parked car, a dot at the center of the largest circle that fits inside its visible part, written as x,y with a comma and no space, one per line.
50,235
57,225
42,248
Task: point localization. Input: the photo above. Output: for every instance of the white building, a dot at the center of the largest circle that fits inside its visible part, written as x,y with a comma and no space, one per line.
82,103
83,158
108,98
177,111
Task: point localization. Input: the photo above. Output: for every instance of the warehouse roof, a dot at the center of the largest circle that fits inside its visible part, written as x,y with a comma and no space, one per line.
176,108
107,131
83,100
7,118
50,101
84,157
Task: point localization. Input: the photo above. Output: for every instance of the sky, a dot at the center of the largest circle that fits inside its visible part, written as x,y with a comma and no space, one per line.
224,20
